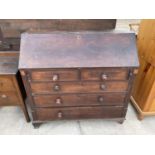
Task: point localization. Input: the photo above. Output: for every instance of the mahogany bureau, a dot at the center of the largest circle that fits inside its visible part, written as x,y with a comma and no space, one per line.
11,88
77,75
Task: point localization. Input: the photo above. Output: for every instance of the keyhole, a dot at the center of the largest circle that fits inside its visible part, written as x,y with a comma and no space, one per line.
1,84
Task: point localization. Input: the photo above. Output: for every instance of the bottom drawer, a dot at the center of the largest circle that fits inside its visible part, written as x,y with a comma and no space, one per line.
45,114
8,98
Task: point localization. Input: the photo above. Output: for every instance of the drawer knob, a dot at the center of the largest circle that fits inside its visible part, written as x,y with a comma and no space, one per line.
100,99
56,87
58,101
59,114
103,87
4,96
104,77
55,77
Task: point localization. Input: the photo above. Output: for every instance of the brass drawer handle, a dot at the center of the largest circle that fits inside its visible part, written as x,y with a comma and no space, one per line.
55,77
100,99
56,87
58,101
59,115
103,86
3,96
104,77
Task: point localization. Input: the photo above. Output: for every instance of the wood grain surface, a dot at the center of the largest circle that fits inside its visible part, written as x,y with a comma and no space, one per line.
74,49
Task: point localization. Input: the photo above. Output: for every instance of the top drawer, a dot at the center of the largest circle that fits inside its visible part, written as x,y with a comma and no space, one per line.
55,75
104,74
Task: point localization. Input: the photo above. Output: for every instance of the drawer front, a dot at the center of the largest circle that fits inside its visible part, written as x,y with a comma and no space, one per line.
44,114
79,100
104,74
8,98
55,75
6,84
79,87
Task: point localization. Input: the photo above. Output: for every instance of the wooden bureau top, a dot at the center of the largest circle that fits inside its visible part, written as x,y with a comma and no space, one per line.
78,49
9,62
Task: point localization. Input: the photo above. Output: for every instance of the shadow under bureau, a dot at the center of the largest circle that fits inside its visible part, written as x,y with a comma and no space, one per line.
76,75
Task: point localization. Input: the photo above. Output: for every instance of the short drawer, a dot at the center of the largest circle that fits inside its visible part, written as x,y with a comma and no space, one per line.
79,99
6,84
45,114
104,74
55,75
8,98
79,87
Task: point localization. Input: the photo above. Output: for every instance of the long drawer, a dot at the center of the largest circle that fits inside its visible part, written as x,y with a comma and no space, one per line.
79,99
45,114
79,87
